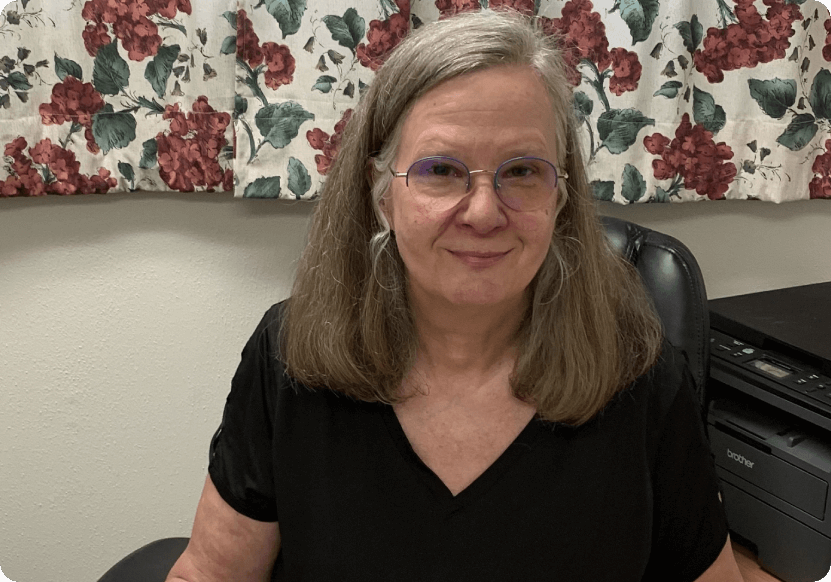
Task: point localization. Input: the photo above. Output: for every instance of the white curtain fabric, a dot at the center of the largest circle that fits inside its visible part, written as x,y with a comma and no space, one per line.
679,100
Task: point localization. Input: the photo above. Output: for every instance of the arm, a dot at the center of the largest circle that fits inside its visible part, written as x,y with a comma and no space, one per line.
226,545
724,569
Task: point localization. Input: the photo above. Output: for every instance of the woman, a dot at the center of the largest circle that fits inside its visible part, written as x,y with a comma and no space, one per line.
466,383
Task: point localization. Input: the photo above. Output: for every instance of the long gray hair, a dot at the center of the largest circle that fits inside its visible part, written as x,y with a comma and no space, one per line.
589,328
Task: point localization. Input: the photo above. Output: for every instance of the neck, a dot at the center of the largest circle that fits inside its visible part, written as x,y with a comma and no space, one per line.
466,340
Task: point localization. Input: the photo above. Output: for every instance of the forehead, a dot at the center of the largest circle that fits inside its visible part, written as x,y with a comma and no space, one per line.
496,109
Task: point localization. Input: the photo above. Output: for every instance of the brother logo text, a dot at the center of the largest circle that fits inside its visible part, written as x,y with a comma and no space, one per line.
740,459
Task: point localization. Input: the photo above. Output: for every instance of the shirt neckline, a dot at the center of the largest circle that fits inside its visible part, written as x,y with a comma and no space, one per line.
510,456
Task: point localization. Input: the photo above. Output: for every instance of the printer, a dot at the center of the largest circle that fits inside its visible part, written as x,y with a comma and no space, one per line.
768,412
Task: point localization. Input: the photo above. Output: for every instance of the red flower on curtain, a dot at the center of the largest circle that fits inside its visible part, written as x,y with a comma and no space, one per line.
750,41
449,8
627,71
74,102
168,8
826,50
58,173
584,36
524,6
383,36
131,24
188,155
329,144
248,43
820,186
692,160
280,63
584,39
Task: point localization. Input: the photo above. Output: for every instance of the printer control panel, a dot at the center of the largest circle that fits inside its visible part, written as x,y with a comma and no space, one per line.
773,377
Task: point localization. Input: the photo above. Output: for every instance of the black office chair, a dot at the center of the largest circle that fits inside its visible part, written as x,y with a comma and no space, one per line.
673,280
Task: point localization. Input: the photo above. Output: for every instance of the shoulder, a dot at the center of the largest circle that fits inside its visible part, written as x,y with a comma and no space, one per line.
668,377
649,401
271,324
263,362
263,346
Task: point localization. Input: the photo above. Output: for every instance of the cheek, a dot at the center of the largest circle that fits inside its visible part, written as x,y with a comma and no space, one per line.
537,226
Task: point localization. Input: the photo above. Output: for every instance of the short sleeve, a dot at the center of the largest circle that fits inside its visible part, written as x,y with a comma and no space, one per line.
690,525
241,451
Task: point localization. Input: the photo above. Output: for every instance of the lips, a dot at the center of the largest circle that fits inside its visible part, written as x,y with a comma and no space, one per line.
479,258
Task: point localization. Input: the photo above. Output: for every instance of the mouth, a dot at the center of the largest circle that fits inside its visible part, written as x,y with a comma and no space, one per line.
479,258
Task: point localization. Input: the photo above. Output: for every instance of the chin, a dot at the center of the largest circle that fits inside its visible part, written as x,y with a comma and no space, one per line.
482,297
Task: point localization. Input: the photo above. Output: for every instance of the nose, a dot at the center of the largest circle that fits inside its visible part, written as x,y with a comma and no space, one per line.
482,210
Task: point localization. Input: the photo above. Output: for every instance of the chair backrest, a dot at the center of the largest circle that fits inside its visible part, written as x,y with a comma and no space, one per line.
673,279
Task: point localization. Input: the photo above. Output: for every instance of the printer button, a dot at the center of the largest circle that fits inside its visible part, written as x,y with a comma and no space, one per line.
794,439
801,381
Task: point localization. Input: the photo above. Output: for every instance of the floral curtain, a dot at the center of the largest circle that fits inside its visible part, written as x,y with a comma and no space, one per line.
678,100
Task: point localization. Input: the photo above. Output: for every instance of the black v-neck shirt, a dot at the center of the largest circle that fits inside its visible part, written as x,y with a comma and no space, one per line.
630,496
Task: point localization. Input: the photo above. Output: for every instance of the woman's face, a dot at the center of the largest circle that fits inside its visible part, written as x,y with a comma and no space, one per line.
479,251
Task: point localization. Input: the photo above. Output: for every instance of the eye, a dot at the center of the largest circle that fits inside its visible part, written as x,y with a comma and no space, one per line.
438,169
519,171
442,170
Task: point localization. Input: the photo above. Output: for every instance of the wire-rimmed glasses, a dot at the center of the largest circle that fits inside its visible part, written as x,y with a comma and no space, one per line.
525,183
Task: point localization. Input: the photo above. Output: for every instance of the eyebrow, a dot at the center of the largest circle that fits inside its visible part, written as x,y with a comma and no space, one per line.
532,147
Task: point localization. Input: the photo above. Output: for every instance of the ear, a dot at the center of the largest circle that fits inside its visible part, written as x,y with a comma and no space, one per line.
385,206
370,171
385,203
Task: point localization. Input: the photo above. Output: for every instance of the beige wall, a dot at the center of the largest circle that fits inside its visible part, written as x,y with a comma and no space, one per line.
121,321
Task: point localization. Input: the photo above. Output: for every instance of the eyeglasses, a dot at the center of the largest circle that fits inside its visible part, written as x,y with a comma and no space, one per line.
523,184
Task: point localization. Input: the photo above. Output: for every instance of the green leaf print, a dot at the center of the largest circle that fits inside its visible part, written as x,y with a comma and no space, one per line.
18,81
603,190
774,96
661,195
110,74
618,128
820,97
324,83
240,106
231,17
126,170
639,15
279,123
158,70
583,106
113,130
634,186
669,89
149,154
287,13
299,179
691,32
266,187
348,30
800,132
706,112
229,45
64,67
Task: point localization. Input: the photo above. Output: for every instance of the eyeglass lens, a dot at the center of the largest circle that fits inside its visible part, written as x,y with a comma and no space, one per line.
522,183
